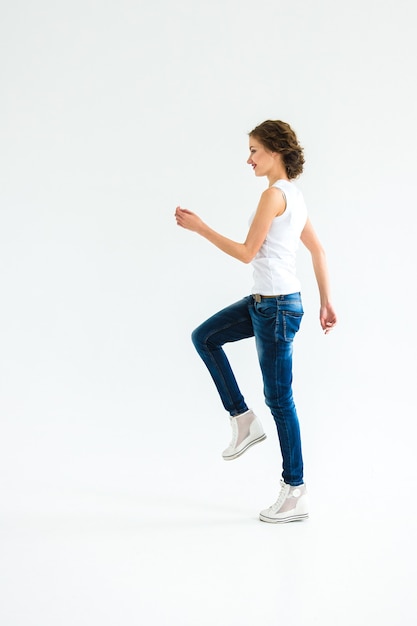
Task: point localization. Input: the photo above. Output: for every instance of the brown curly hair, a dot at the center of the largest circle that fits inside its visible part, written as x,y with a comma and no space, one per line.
278,136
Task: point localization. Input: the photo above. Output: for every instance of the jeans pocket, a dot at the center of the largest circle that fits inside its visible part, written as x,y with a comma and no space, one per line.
266,308
291,324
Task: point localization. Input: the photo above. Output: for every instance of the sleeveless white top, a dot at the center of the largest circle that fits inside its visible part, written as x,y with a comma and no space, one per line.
274,266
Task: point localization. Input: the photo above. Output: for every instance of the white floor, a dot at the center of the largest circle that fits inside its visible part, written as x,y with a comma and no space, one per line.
108,529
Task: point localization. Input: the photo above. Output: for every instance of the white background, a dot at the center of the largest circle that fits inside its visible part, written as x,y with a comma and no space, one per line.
116,507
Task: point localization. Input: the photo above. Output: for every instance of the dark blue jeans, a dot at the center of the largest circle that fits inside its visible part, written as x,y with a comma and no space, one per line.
273,322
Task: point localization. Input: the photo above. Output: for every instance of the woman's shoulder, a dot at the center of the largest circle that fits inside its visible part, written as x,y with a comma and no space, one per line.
282,183
296,208
289,189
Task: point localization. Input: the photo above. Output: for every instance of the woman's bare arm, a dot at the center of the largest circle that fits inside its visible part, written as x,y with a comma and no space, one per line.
309,238
271,205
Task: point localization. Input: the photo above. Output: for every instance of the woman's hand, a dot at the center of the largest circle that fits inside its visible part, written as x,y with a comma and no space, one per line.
328,318
187,219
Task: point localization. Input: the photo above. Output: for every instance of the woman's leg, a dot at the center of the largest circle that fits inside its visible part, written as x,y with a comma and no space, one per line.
275,322
230,324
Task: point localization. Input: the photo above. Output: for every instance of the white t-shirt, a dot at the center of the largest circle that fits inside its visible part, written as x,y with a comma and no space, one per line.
274,266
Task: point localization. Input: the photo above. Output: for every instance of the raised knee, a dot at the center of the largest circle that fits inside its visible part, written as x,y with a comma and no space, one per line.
196,337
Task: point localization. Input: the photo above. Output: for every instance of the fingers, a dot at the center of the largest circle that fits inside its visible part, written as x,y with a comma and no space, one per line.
181,217
327,326
328,318
178,215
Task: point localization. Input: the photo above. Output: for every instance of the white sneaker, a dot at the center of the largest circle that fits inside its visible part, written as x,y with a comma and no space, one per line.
246,431
291,506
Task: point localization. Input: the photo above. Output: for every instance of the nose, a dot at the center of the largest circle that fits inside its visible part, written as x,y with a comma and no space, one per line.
249,161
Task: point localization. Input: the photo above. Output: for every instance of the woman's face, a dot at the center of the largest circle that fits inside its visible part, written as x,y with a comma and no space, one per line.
261,159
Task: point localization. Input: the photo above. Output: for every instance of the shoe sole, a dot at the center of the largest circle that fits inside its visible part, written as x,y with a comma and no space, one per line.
248,445
284,520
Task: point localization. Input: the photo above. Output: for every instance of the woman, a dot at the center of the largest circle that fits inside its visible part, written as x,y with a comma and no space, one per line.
272,313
